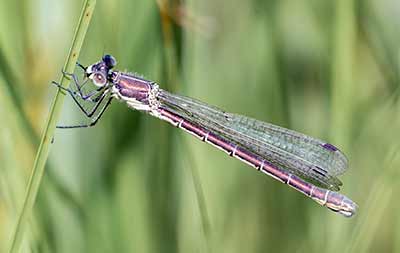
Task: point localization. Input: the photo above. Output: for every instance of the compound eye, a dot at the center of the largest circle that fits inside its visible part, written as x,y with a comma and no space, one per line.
109,60
99,79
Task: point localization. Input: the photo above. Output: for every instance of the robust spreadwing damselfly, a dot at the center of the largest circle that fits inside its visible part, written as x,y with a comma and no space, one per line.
307,164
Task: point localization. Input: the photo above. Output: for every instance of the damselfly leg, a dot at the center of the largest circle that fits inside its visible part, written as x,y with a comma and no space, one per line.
91,96
76,81
97,100
96,118
88,113
81,66
78,85
96,97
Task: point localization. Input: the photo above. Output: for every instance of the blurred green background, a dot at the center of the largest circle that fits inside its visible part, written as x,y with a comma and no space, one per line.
330,69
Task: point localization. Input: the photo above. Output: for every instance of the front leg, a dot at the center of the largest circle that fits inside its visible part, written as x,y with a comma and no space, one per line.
76,81
97,100
86,97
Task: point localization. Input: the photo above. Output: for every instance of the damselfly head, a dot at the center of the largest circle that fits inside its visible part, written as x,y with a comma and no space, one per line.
99,72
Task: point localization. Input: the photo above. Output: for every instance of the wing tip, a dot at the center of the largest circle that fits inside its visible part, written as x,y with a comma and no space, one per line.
330,147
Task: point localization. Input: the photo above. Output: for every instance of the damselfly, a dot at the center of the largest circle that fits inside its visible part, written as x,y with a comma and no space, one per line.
309,165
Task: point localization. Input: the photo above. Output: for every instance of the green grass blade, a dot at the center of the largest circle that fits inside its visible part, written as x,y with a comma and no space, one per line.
380,198
200,198
13,99
44,147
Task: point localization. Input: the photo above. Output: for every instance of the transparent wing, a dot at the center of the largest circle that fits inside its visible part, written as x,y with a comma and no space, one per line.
309,158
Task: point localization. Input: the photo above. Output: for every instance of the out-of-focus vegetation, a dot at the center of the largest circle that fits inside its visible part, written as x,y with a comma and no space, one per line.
330,69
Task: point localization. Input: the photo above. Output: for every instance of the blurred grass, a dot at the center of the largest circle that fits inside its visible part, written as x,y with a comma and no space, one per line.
328,69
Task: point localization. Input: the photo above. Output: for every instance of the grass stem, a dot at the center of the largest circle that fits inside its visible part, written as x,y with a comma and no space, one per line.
44,147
